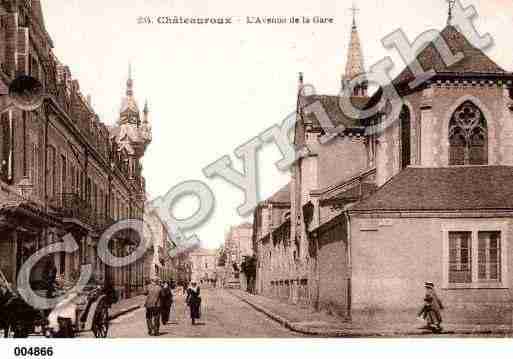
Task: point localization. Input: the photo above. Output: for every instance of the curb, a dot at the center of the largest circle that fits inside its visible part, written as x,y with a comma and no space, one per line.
352,333
285,322
124,311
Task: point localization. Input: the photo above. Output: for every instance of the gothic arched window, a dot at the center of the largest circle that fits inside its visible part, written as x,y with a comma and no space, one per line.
405,137
468,136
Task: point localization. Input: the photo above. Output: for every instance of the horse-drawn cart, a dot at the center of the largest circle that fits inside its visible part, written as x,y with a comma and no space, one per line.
78,312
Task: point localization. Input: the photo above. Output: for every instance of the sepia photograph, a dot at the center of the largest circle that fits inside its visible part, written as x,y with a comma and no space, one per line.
295,173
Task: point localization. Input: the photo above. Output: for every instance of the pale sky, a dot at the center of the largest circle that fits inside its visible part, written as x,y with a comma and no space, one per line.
211,88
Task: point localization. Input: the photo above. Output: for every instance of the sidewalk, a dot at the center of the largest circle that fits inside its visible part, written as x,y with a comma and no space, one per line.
126,305
307,321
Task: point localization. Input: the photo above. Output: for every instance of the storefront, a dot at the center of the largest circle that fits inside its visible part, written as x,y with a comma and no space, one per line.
24,230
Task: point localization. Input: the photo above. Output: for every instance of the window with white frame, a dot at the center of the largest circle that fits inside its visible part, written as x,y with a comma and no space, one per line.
460,257
475,257
489,256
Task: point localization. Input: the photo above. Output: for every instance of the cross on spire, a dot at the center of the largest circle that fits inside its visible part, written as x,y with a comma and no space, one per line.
354,10
451,4
354,63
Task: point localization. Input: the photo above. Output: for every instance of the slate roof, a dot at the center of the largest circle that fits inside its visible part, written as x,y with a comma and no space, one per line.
38,15
332,106
475,63
355,193
129,104
127,133
447,188
474,60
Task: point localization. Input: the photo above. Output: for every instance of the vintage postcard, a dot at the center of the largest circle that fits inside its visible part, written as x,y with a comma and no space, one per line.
273,169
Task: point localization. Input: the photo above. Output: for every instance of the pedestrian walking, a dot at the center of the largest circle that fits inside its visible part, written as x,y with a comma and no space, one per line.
5,296
153,299
193,300
50,275
166,302
431,310
110,293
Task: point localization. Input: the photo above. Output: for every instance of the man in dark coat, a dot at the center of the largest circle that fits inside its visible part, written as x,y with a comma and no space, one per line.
193,300
50,275
152,305
5,297
431,311
166,302
110,293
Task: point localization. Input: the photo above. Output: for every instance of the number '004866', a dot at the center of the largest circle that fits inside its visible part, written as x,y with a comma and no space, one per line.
33,351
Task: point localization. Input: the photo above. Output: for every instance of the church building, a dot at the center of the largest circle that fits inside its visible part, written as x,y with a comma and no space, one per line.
375,215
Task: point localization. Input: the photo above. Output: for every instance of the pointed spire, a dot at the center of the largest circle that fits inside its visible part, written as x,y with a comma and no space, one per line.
451,4
146,108
354,64
146,111
354,9
129,82
129,112
146,127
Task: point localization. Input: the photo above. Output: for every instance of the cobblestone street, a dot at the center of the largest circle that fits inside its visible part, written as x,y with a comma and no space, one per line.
235,314
223,315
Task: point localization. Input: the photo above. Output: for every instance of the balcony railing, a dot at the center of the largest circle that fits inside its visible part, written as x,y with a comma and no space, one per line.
103,222
72,206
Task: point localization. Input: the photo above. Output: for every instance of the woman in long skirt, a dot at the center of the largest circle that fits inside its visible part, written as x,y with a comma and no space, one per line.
194,301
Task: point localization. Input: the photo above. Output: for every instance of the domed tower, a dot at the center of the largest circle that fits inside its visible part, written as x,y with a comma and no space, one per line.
132,132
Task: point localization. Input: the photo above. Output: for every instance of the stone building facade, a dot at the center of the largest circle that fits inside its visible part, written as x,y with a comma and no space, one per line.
271,238
63,171
157,260
237,245
443,201
369,217
299,259
204,266
181,268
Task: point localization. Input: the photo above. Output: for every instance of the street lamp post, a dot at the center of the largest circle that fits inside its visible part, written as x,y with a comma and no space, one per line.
25,93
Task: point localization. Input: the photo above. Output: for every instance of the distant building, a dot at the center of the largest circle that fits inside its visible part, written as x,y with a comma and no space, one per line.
204,266
157,259
181,268
273,245
238,244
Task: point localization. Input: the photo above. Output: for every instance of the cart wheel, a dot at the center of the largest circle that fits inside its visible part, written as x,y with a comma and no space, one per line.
101,323
20,330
